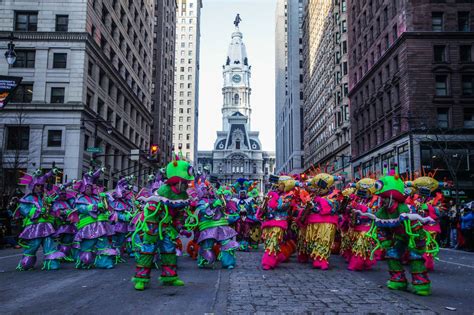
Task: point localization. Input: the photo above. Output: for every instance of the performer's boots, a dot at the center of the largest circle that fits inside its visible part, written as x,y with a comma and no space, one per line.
322,264
143,267
206,255
420,281
397,281
269,261
169,275
356,263
27,262
227,258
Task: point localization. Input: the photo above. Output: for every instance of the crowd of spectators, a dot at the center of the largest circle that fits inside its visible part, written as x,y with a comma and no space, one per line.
457,226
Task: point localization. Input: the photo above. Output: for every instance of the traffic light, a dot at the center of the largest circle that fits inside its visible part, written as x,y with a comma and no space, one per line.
154,152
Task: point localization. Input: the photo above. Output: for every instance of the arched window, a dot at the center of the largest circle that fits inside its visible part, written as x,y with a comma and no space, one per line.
236,99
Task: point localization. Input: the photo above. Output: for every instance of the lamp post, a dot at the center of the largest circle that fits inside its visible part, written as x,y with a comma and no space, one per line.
10,54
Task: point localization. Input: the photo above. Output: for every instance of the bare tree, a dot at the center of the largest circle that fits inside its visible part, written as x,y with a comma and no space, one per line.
449,149
11,158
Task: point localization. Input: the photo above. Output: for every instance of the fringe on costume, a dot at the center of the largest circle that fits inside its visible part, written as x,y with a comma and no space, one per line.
272,238
320,237
347,239
362,245
301,245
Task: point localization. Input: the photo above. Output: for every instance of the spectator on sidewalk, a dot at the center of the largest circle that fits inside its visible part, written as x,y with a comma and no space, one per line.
453,215
467,227
445,228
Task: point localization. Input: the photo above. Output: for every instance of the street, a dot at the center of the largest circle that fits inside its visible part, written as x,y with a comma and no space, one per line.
292,288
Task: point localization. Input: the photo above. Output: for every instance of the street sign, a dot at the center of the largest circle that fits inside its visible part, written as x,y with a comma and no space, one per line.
135,155
94,150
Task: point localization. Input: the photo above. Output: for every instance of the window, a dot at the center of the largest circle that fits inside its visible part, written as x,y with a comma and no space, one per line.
59,60
55,138
463,22
395,63
236,99
467,85
18,137
57,95
26,21
62,23
441,85
437,21
439,53
465,52
23,93
25,59
468,117
443,117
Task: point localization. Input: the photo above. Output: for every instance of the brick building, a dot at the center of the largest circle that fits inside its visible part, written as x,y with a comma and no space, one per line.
411,82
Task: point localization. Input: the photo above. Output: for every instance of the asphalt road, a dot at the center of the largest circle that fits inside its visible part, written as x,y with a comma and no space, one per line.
292,288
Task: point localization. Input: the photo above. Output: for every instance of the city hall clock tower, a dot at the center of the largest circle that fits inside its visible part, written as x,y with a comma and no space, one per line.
236,72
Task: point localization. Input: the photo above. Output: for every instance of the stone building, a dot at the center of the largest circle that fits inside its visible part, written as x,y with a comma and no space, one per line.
186,87
289,86
163,78
412,87
237,151
326,108
87,81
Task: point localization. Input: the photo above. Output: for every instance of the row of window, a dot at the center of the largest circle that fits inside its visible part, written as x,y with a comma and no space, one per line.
26,58
18,138
443,86
438,23
444,117
27,21
441,55
24,94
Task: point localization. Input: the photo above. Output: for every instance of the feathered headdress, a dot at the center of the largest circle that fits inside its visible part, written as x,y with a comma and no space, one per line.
88,178
37,178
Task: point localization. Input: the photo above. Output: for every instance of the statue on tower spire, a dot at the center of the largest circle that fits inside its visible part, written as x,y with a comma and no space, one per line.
237,20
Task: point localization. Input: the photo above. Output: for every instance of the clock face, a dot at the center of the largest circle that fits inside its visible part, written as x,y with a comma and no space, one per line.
236,78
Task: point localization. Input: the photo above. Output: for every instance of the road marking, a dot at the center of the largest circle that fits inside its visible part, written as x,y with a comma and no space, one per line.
457,264
17,255
457,251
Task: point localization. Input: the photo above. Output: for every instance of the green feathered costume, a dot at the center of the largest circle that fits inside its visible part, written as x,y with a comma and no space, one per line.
163,219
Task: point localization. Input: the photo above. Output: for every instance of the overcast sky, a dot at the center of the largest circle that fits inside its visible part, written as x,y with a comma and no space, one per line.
258,28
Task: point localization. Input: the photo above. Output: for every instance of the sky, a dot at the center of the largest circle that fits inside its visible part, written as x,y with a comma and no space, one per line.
258,28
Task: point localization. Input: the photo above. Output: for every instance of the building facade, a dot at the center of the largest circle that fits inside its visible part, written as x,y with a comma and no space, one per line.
186,103
288,87
163,78
237,151
412,87
86,68
325,108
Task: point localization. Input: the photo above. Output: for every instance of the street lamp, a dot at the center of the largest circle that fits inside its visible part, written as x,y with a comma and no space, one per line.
10,54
